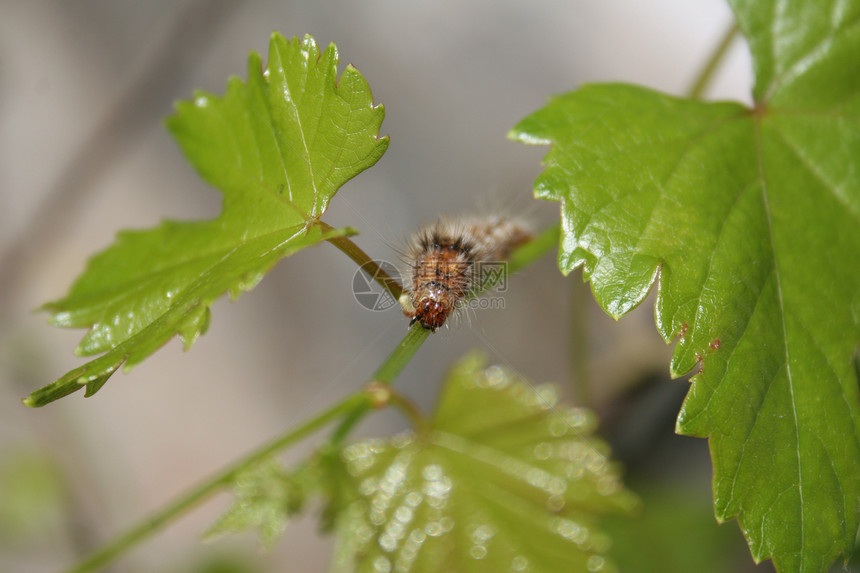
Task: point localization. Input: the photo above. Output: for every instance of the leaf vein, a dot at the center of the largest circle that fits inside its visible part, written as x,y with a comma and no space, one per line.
817,173
781,302
690,142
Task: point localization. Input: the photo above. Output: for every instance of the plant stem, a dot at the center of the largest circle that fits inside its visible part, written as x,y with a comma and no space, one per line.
155,522
367,264
400,357
580,372
706,74
385,374
534,249
352,409
420,424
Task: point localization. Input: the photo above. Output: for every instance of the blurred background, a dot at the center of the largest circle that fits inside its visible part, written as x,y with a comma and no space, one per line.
83,153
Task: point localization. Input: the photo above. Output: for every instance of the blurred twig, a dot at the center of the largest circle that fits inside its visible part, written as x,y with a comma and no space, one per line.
203,491
580,347
143,102
703,79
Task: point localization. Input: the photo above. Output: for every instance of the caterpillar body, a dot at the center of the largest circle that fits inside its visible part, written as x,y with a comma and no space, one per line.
446,259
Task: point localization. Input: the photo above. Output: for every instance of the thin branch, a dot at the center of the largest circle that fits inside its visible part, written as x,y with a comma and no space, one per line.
705,76
367,264
531,251
580,371
351,410
383,395
384,375
400,357
152,524
420,423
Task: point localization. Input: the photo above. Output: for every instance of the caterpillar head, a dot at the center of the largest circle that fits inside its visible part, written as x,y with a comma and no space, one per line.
431,305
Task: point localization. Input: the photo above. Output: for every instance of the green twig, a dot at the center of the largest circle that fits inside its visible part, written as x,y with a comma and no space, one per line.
153,523
706,74
383,395
580,372
534,249
367,264
385,375
400,357
419,422
352,409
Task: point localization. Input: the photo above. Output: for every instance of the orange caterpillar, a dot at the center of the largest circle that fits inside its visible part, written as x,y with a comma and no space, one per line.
446,260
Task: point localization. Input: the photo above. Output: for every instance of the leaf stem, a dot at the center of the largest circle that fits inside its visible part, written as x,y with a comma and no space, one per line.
420,423
351,409
155,522
400,357
383,395
366,264
580,371
385,375
531,251
706,74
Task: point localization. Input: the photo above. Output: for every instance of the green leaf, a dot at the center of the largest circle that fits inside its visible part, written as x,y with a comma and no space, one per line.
266,497
278,146
750,218
504,480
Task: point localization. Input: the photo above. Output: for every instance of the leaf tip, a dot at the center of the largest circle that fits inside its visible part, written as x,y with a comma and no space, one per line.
522,136
308,43
276,36
331,52
255,68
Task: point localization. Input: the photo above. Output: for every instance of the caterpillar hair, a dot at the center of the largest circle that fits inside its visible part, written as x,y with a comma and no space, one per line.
446,259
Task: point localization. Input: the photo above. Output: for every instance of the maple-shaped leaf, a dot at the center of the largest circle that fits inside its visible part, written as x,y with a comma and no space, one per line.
749,219
278,146
504,479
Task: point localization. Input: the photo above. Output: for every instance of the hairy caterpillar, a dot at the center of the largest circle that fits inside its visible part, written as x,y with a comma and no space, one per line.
446,262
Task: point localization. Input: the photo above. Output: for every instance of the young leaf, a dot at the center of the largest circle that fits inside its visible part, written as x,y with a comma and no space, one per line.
504,480
266,498
750,218
278,146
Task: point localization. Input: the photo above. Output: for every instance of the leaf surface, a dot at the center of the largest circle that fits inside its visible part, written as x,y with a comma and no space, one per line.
278,147
266,497
749,219
504,480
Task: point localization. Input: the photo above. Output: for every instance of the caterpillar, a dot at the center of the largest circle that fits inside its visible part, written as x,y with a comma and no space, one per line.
446,260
